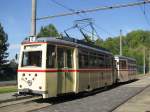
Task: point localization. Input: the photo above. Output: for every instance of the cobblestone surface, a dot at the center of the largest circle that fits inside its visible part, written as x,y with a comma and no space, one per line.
105,101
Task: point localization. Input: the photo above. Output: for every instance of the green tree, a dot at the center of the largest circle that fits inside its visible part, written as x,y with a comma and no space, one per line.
99,42
112,44
48,31
3,46
133,44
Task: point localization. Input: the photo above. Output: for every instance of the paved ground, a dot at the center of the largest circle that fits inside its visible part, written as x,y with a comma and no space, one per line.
139,103
105,101
7,83
6,96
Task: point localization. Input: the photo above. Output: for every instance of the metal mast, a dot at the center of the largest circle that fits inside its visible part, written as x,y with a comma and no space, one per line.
144,61
120,42
149,62
33,23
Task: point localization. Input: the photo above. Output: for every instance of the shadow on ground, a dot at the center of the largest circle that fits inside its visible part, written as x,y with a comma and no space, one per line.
70,97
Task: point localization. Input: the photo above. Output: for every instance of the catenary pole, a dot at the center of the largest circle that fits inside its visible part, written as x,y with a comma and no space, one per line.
120,42
149,61
144,60
33,21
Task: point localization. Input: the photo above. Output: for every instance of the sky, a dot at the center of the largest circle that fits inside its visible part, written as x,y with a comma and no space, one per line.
15,17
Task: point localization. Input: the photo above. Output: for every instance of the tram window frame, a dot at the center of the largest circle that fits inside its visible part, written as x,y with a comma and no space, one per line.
63,61
83,59
108,61
51,56
69,62
121,64
101,59
60,57
91,61
31,61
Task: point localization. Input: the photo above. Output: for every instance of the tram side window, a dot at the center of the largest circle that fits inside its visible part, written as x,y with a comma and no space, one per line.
101,61
69,58
60,58
33,58
92,61
50,63
83,59
108,60
122,64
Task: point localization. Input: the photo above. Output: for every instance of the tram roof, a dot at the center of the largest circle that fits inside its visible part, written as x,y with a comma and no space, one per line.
71,42
124,57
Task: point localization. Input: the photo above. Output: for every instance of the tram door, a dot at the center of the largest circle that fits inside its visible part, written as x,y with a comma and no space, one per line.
65,77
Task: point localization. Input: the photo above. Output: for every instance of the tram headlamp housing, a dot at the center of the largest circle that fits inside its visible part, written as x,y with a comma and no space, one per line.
20,86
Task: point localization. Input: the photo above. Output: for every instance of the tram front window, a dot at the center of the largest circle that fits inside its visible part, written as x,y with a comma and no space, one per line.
33,58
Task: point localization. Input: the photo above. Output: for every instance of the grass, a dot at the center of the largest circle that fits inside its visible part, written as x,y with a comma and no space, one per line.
8,89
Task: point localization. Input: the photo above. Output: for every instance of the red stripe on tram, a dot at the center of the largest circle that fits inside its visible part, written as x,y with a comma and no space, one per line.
55,70
127,70
34,43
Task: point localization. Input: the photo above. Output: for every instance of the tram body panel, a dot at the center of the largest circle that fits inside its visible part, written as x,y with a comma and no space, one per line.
52,83
93,72
66,72
96,79
62,69
31,70
123,75
126,68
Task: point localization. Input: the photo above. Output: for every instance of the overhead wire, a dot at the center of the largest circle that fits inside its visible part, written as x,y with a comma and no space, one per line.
99,8
143,10
110,34
72,10
95,9
64,6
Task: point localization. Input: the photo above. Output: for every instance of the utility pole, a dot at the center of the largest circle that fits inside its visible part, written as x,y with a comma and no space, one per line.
33,23
144,61
149,62
120,42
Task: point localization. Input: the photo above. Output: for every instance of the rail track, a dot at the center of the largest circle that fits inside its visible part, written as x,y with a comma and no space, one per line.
22,105
37,104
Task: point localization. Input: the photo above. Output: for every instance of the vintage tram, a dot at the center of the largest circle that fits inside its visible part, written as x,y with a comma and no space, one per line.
126,68
51,66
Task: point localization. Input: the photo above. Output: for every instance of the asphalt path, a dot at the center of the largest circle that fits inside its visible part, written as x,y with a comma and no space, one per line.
101,101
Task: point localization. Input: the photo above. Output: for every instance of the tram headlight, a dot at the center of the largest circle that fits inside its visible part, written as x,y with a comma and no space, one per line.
29,82
40,87
20,86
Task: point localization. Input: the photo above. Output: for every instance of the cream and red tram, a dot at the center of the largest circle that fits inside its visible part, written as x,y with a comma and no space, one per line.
51,66
126,68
